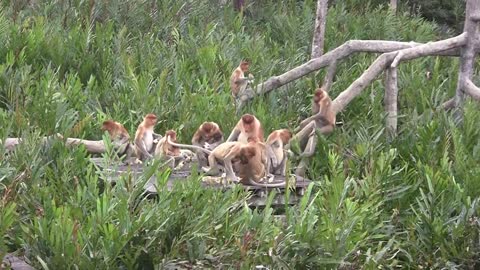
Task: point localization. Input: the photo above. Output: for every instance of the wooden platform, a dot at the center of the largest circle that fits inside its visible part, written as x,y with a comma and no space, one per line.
259,194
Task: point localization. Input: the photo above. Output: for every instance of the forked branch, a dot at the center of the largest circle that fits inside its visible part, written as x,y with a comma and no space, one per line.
339,53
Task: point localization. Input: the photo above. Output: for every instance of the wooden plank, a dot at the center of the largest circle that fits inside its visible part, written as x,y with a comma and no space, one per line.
11,261
112,172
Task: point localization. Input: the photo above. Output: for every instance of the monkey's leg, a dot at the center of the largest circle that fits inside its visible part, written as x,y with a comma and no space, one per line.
305,132
229,171
282,168
213,170
326,129
307,153
202,159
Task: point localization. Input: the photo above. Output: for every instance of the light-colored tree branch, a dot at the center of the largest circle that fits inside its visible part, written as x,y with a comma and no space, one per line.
390,100
412,53
393,5
93,147
467,56
385,60
328,80
472,90
346,49
448,105
319,30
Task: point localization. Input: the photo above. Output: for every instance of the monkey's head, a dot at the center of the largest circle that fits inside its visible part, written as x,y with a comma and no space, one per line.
247,153
150,119
244,65
172,134
319,95
285,135
208,128
247,120
109,125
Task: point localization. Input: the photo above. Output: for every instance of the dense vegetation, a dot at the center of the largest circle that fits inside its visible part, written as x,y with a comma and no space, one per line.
65,66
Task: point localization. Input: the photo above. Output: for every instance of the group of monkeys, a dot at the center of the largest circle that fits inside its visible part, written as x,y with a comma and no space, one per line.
246,156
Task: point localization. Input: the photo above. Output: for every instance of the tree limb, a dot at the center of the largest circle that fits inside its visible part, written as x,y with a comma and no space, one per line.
391,96
472,90
467,56
448,105
328,80
407,54
349,47
319,30
385,60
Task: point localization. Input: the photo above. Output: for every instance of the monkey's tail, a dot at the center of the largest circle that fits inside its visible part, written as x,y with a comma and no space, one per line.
253,183
187,146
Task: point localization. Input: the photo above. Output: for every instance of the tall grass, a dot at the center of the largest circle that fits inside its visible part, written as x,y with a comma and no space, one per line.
65,66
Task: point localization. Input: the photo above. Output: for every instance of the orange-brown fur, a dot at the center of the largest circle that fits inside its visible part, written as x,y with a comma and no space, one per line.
248,126
237,79
277,140
116,130
208,133
164,148
144,137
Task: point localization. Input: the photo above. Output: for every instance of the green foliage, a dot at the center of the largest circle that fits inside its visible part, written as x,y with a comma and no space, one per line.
65,66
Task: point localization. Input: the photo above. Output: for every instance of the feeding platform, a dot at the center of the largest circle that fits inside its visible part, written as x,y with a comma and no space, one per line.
297,185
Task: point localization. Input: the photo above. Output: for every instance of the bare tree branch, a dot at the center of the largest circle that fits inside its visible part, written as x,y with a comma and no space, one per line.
448,105
385,60
472,90
328,80
319,30
390,100
393,5
93,147
467,56
412,53
349,47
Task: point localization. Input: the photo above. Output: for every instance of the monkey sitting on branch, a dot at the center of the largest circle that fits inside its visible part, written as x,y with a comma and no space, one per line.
238,81
322,120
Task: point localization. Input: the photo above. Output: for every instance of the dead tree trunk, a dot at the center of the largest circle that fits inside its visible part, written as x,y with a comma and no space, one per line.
93,147
319,30
391,96
467,57
393,5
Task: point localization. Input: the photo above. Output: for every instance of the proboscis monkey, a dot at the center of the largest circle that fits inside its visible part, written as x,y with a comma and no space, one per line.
322,112
144,137
277,140
224,152
164,146
116,131
253,164
248,126
238,82
207,136
119,136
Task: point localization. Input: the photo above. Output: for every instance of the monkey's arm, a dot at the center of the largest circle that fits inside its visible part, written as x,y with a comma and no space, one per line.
140,145
243,80
234,135
271,156
213,144
156,136
319,116
310,147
